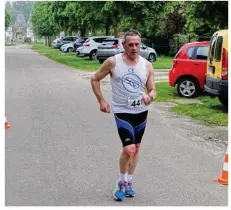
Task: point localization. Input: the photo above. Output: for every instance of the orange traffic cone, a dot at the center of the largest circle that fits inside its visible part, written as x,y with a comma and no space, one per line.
6,123
223,179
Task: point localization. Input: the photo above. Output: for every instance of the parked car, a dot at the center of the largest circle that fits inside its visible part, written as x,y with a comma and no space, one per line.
108,48
57,43
113,46
79,42
91,44
189,68
69,47
79,50
217,67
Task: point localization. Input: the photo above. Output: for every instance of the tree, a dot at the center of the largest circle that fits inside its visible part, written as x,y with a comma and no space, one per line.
7,19
200,20
41,22
58,15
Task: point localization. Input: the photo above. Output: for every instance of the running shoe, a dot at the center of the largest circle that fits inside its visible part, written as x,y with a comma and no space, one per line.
129,192
119,191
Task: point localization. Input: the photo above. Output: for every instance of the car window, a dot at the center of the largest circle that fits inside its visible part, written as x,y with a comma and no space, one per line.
74,38
178,53
190,52
68,39
88,40
218,49
142,45
82,40
212,47
202,53
109,42
98,40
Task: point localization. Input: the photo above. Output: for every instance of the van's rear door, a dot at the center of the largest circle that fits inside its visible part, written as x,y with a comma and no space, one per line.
214,61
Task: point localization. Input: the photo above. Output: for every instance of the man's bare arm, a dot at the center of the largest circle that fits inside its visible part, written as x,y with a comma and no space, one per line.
150,82
102,72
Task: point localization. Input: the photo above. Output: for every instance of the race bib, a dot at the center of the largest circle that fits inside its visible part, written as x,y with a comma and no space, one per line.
135,102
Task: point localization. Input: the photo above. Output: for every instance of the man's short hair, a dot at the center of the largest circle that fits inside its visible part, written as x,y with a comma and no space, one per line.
131,33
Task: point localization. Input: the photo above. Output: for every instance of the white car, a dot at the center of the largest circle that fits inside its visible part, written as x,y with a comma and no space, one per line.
91,44
69,47
79,50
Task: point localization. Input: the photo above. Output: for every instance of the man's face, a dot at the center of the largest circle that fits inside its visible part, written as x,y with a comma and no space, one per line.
132,46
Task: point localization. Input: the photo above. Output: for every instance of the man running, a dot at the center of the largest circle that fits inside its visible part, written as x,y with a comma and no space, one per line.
131,75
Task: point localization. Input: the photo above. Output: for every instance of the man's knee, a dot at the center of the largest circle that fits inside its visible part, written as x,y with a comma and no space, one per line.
130,150
137,149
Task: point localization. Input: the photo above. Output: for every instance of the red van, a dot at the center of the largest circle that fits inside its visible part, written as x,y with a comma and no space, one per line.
189,69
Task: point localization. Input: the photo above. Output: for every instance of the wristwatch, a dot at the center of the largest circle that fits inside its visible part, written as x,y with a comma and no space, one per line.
151,98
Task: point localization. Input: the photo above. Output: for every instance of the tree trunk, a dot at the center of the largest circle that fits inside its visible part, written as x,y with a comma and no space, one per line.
115,20
70,32
107,29
65,32
45,40
49,41
85,32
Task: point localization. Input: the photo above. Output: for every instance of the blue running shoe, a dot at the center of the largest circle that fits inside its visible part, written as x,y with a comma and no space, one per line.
119,191
129,192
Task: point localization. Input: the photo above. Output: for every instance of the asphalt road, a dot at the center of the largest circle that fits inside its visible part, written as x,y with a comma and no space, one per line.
62,151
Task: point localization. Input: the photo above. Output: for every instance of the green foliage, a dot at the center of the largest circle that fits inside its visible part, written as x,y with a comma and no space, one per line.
173,19
41,20
151,18
58,15
178,40
207,16
7,19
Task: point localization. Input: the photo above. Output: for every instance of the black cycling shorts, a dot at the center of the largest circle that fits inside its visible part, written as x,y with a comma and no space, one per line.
131,127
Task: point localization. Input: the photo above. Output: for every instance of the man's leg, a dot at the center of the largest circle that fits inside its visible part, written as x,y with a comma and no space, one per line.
126,158
133,162
121,184
129,192
139,131
126,133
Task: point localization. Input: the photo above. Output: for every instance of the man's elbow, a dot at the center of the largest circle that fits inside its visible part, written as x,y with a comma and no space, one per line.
94,79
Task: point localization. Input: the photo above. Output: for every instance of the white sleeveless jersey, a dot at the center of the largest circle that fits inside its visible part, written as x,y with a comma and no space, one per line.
128,86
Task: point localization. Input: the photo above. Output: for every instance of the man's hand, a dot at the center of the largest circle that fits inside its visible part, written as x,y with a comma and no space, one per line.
104,106
147,99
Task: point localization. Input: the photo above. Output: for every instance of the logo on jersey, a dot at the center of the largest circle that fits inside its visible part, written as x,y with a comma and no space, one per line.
131,81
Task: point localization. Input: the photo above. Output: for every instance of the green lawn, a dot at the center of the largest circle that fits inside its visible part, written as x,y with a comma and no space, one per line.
163,62
165,92
84,63
209,110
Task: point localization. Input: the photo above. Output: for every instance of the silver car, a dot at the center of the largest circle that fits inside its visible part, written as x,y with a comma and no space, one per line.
113,46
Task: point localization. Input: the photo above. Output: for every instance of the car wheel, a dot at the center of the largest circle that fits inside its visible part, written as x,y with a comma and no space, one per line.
152,58
223,100
101,61
92,55
69,49
188,87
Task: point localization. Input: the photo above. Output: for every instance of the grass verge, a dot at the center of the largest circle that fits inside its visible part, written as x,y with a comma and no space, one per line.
210,110
163,62
68,59
84,63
